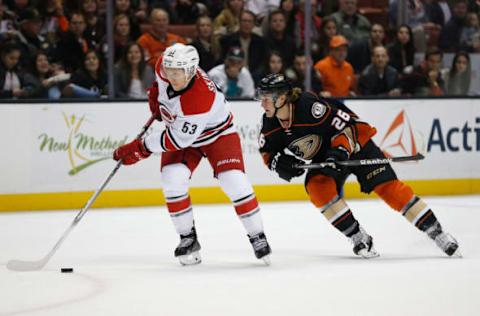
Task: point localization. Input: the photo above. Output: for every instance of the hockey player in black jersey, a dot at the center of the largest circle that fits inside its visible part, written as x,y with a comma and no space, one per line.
299,127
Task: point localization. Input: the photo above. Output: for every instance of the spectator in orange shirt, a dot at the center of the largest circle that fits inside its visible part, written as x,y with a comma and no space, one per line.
334,71
158,39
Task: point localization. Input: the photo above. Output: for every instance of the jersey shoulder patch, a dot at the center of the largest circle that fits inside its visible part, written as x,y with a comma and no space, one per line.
318,110
200,97
309,109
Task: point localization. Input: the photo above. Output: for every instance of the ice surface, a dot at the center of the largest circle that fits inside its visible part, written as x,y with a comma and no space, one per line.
124,264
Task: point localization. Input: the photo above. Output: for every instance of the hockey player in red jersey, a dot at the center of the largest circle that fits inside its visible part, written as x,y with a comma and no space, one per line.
198,123
321,130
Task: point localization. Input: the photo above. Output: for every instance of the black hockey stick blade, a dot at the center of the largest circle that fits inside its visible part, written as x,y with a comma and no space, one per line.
362,162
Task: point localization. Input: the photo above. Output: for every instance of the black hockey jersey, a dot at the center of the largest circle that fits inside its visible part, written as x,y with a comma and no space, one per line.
315,121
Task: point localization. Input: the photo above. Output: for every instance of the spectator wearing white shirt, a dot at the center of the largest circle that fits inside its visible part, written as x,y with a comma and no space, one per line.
232,77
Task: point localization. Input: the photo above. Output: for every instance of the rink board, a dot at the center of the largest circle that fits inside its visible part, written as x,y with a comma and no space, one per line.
58,154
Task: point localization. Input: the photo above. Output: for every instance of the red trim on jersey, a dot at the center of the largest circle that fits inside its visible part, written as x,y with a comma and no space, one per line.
247,206
219,128
272,131
199,98
169,145
266,157
174,207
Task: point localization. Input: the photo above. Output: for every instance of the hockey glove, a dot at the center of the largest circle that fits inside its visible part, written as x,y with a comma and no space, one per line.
333,155
153,103
132,152
284,165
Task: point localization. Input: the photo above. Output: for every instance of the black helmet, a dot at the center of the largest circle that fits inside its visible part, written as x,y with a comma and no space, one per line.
274,84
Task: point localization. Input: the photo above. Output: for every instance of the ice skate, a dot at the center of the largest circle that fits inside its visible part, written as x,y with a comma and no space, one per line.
444,241
261,247
363,245
188,250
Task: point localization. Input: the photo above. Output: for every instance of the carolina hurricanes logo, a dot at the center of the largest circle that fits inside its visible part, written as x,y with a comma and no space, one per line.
401,139
167,117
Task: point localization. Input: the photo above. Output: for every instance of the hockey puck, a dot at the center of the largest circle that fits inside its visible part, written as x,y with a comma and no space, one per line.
66,270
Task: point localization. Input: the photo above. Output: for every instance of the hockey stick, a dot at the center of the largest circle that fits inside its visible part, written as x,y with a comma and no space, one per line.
20,265
361,162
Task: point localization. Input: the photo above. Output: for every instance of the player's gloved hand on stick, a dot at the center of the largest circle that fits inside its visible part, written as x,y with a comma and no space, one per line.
153,103
284,165
132,152
333,155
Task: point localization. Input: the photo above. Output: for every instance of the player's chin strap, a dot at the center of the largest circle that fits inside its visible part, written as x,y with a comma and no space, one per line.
287,123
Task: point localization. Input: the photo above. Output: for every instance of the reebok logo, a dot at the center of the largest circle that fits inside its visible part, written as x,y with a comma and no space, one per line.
379,161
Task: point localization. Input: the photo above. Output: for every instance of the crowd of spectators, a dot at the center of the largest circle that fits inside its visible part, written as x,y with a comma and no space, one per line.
51,49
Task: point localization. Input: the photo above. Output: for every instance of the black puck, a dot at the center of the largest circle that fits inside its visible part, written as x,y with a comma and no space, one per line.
66,270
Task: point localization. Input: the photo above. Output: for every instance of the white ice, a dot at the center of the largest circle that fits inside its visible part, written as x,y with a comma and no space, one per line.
124,264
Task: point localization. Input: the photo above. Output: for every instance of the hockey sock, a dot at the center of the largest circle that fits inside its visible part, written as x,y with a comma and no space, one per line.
339,215
175,178
401,198
180,210
419,214
248,211
323,194
237,187
395,193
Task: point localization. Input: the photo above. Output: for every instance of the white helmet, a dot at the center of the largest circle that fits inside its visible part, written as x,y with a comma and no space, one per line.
181,56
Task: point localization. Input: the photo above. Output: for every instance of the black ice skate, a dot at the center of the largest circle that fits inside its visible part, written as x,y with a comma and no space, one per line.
188,250
261,247
363,245
444,241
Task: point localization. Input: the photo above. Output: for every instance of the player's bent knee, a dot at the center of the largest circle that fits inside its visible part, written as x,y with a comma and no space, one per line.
321,190
395,193
235,184
175,178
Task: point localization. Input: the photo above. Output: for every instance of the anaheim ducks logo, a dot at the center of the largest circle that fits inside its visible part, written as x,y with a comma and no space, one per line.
167,117
401,138
306,147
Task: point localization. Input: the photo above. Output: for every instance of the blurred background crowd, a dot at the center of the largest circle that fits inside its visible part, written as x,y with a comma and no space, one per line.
53,49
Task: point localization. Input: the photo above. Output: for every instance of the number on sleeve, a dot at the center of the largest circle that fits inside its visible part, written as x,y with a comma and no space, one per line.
340,120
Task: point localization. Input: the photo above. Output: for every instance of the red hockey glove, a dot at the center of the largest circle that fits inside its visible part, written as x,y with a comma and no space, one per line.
153,103
132,152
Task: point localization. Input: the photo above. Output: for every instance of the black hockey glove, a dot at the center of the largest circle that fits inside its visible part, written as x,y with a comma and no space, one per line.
333,155
284,165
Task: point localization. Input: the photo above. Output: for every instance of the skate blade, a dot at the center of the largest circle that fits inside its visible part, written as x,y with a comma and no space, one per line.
364,253
457,254
266,260
190,259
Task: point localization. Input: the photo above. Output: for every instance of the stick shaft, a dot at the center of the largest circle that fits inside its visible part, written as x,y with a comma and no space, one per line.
19,265
362,162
